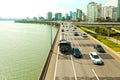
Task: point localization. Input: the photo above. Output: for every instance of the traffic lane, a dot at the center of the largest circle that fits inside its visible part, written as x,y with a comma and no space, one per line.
86,66
93,69
64,69
104,71
82,65
110,69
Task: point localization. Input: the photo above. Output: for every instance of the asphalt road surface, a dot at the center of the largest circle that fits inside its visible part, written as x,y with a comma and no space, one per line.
70,68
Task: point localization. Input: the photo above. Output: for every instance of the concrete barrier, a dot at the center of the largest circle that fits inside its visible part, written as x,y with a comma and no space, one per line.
45,68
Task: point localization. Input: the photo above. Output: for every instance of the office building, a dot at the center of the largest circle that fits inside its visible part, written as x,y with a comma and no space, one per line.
79,14
74,16
118,13
49,16
58,16
70,14
114,14
66,16
93,11
109,12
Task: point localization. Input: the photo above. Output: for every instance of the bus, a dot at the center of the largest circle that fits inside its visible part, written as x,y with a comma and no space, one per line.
65,46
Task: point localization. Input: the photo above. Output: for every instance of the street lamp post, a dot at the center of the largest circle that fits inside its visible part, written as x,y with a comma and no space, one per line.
51,37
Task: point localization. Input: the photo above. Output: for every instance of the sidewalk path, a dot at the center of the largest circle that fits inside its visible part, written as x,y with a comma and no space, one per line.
113,39
109,38
115,30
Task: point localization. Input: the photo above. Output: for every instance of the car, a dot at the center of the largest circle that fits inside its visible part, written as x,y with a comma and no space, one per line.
73,29
75,33
99,48
77,53
95,58
62,30
67,30
84,35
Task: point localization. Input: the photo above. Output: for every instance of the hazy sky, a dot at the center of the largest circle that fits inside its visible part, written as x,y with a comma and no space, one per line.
30,8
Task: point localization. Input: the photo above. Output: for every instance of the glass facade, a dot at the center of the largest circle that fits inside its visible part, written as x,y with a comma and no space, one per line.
119,9
49,16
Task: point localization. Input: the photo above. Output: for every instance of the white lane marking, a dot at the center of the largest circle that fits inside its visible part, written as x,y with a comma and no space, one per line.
95,74
73,68
56,64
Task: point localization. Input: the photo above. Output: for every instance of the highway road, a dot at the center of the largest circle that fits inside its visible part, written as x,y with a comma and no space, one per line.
70,68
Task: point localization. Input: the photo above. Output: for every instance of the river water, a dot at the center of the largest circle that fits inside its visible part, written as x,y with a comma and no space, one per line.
23,49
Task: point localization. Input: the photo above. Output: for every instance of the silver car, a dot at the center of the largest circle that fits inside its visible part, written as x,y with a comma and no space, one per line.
95,58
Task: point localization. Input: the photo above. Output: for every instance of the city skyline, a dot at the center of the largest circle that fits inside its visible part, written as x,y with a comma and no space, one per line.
31,8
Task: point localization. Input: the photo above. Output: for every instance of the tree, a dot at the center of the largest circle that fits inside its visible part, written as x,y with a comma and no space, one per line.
35,18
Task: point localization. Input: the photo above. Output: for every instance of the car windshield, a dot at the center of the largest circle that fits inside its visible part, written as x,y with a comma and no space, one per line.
76,51
96,56
99,46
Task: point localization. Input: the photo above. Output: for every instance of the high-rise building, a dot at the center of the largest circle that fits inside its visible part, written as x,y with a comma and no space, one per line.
93,11
105,12
118,13
58,16
66,16
79,14
70,14
109,12
114,14
74,16
49,16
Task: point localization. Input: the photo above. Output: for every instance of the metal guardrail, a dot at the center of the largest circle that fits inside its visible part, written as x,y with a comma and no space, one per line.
44,71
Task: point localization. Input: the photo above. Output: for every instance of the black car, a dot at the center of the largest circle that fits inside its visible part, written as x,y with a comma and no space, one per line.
62,30
77,53
75,33
99,48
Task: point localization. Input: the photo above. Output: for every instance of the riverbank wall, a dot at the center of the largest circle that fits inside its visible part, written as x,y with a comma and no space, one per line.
45,74
51,53
38,22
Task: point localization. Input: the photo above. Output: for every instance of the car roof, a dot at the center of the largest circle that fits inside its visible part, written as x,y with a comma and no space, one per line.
75,48
93,53
97,44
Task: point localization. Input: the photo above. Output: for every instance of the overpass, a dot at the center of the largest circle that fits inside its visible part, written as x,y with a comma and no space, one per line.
107,24
97,24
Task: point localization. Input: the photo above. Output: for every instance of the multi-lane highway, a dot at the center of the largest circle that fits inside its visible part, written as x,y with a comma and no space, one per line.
70,68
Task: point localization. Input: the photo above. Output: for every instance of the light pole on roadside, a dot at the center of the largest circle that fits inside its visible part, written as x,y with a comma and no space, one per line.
51,37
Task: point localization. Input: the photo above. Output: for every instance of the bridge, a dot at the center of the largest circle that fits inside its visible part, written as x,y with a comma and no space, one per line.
97,24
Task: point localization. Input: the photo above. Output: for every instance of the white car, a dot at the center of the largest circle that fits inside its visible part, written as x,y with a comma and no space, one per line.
95,58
